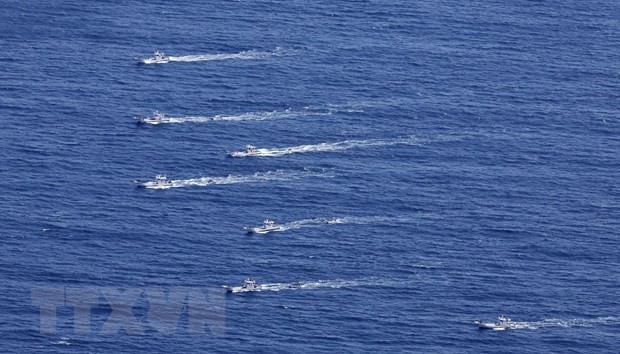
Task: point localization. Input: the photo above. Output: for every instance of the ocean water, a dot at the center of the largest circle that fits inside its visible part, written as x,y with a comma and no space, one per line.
434,163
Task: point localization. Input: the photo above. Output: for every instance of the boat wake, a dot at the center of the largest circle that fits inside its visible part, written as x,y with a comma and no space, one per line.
245,55
235,118
319,222
551,323
321,284
337,146
257,116
278,175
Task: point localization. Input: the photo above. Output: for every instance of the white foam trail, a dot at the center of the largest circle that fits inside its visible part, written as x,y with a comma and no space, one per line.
550,323
318,222
332,108
278,175
258,116
288,113
245,55
62,341
333,284
342,145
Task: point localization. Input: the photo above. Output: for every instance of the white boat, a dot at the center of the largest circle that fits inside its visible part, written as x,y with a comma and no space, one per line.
267,227
248,286
158,58
160,182
502,323
156,118
250,150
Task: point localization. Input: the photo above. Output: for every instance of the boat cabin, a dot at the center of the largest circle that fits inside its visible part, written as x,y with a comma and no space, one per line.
249,284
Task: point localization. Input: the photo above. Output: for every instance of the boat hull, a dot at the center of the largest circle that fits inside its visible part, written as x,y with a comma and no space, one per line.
257,230
153,61
153,122
240,289
492,326
152,185
241,154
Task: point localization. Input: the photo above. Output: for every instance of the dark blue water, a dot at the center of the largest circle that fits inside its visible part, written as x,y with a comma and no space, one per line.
507,201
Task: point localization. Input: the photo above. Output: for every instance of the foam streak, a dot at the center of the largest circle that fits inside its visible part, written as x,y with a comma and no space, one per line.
547,323
279,175
256,116
318,222
333,284
245,55
343,145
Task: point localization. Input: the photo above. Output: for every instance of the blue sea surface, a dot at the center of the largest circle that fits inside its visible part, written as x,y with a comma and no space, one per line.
467,152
